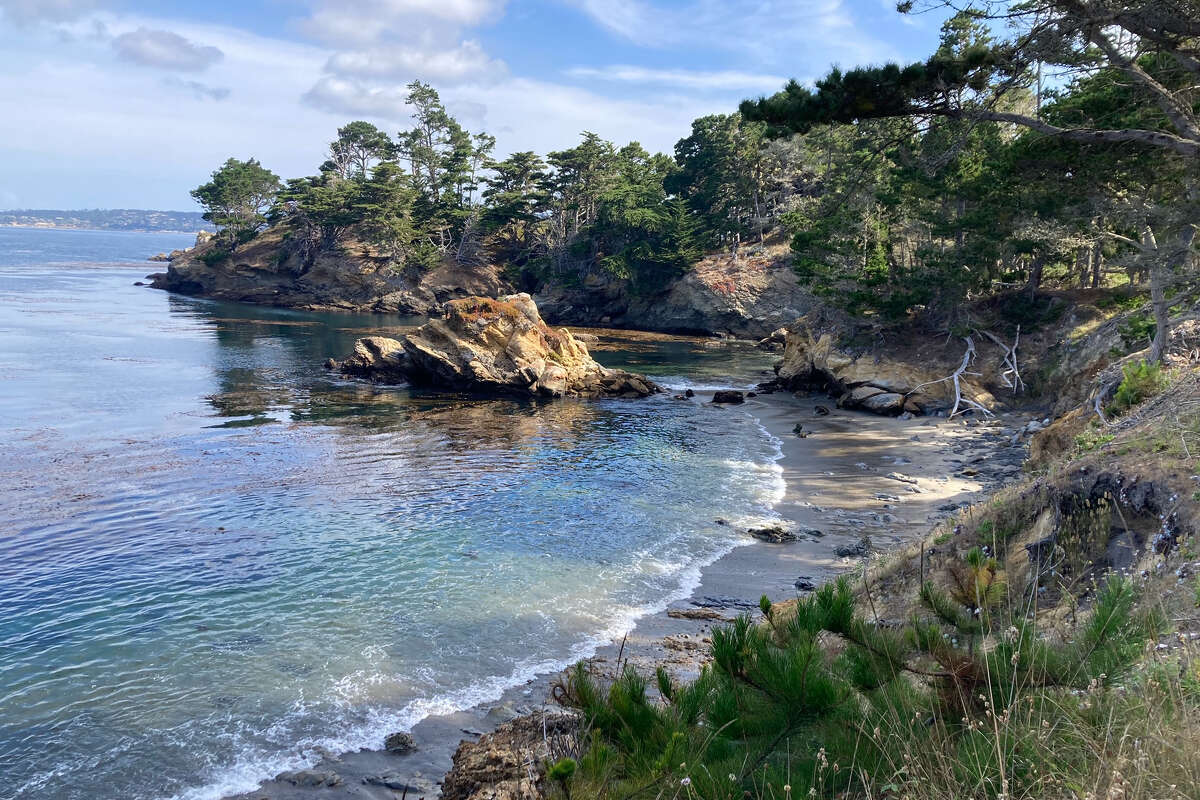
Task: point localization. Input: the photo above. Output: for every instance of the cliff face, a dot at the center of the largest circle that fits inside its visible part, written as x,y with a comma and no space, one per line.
271,271
749,297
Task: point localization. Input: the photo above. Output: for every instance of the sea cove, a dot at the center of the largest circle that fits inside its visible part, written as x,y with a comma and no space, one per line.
219,555
588,400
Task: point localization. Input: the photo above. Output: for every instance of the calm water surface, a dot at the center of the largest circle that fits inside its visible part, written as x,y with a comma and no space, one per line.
216,557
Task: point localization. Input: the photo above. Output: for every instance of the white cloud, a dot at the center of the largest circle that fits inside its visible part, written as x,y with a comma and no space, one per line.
799,32
440,66
354,98
723,80
201,91
354,23
165,50
386,44
28,12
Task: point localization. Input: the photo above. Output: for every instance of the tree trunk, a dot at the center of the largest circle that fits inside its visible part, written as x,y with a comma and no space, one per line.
1035,273
1161,270
1097,264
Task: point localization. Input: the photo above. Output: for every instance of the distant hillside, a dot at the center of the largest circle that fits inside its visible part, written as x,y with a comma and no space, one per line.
110,219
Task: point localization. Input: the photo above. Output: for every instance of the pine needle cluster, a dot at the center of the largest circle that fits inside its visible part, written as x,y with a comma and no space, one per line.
965,699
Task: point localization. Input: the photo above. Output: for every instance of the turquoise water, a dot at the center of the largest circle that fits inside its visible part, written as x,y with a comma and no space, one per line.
217,557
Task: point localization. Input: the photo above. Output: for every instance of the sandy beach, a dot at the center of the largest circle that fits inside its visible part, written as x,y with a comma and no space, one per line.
851,476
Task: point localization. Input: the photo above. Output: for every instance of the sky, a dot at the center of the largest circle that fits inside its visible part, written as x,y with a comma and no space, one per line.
132,103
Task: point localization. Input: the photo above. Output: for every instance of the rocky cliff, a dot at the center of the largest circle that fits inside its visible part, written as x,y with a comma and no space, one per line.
273,270
492,346
749,296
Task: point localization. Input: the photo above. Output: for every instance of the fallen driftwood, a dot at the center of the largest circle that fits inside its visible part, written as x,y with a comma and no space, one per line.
1011,375
956,380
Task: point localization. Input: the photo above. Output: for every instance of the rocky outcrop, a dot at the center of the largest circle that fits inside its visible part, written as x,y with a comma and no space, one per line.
749,297
819,353
509,763
492,347
274,270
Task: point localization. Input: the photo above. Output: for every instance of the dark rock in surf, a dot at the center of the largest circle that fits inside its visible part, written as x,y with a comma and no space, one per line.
775,534
310,778
805,584
400,743
726,397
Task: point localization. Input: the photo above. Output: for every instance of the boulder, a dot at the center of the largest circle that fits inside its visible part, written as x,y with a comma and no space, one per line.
855,550
400,743
729,397
310,778
775,534
493,347
509,763
884,403
377,358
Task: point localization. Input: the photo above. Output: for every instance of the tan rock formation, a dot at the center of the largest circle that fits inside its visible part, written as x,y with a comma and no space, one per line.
495,347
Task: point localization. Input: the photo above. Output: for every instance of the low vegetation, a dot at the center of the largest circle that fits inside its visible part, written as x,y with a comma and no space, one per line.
1140,380
968,701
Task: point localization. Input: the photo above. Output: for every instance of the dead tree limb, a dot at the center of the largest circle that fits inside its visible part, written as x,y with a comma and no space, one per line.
955,378
1011,375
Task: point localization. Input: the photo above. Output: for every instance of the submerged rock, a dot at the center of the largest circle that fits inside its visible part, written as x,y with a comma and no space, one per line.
493,347
310,778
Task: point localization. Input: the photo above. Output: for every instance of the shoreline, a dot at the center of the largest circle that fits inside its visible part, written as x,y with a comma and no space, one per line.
854,475
104,230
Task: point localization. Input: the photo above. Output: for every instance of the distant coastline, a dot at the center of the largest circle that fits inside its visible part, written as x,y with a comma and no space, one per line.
121,219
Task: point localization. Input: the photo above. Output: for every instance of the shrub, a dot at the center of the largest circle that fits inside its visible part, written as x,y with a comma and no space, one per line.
1136,330
967,702
215,256
1141,380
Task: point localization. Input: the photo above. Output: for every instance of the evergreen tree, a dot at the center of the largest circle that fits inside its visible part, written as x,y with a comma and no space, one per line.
237,198
359,147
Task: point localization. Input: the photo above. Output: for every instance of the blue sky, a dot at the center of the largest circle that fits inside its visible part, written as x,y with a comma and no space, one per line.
131,103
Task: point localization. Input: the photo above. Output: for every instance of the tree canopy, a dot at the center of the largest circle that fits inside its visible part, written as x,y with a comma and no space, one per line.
237,198
1044,143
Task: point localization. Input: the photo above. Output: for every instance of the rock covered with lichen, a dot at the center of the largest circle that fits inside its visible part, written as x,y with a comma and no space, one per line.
492,346
509,763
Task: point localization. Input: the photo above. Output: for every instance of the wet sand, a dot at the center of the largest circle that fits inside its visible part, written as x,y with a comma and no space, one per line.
853,475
